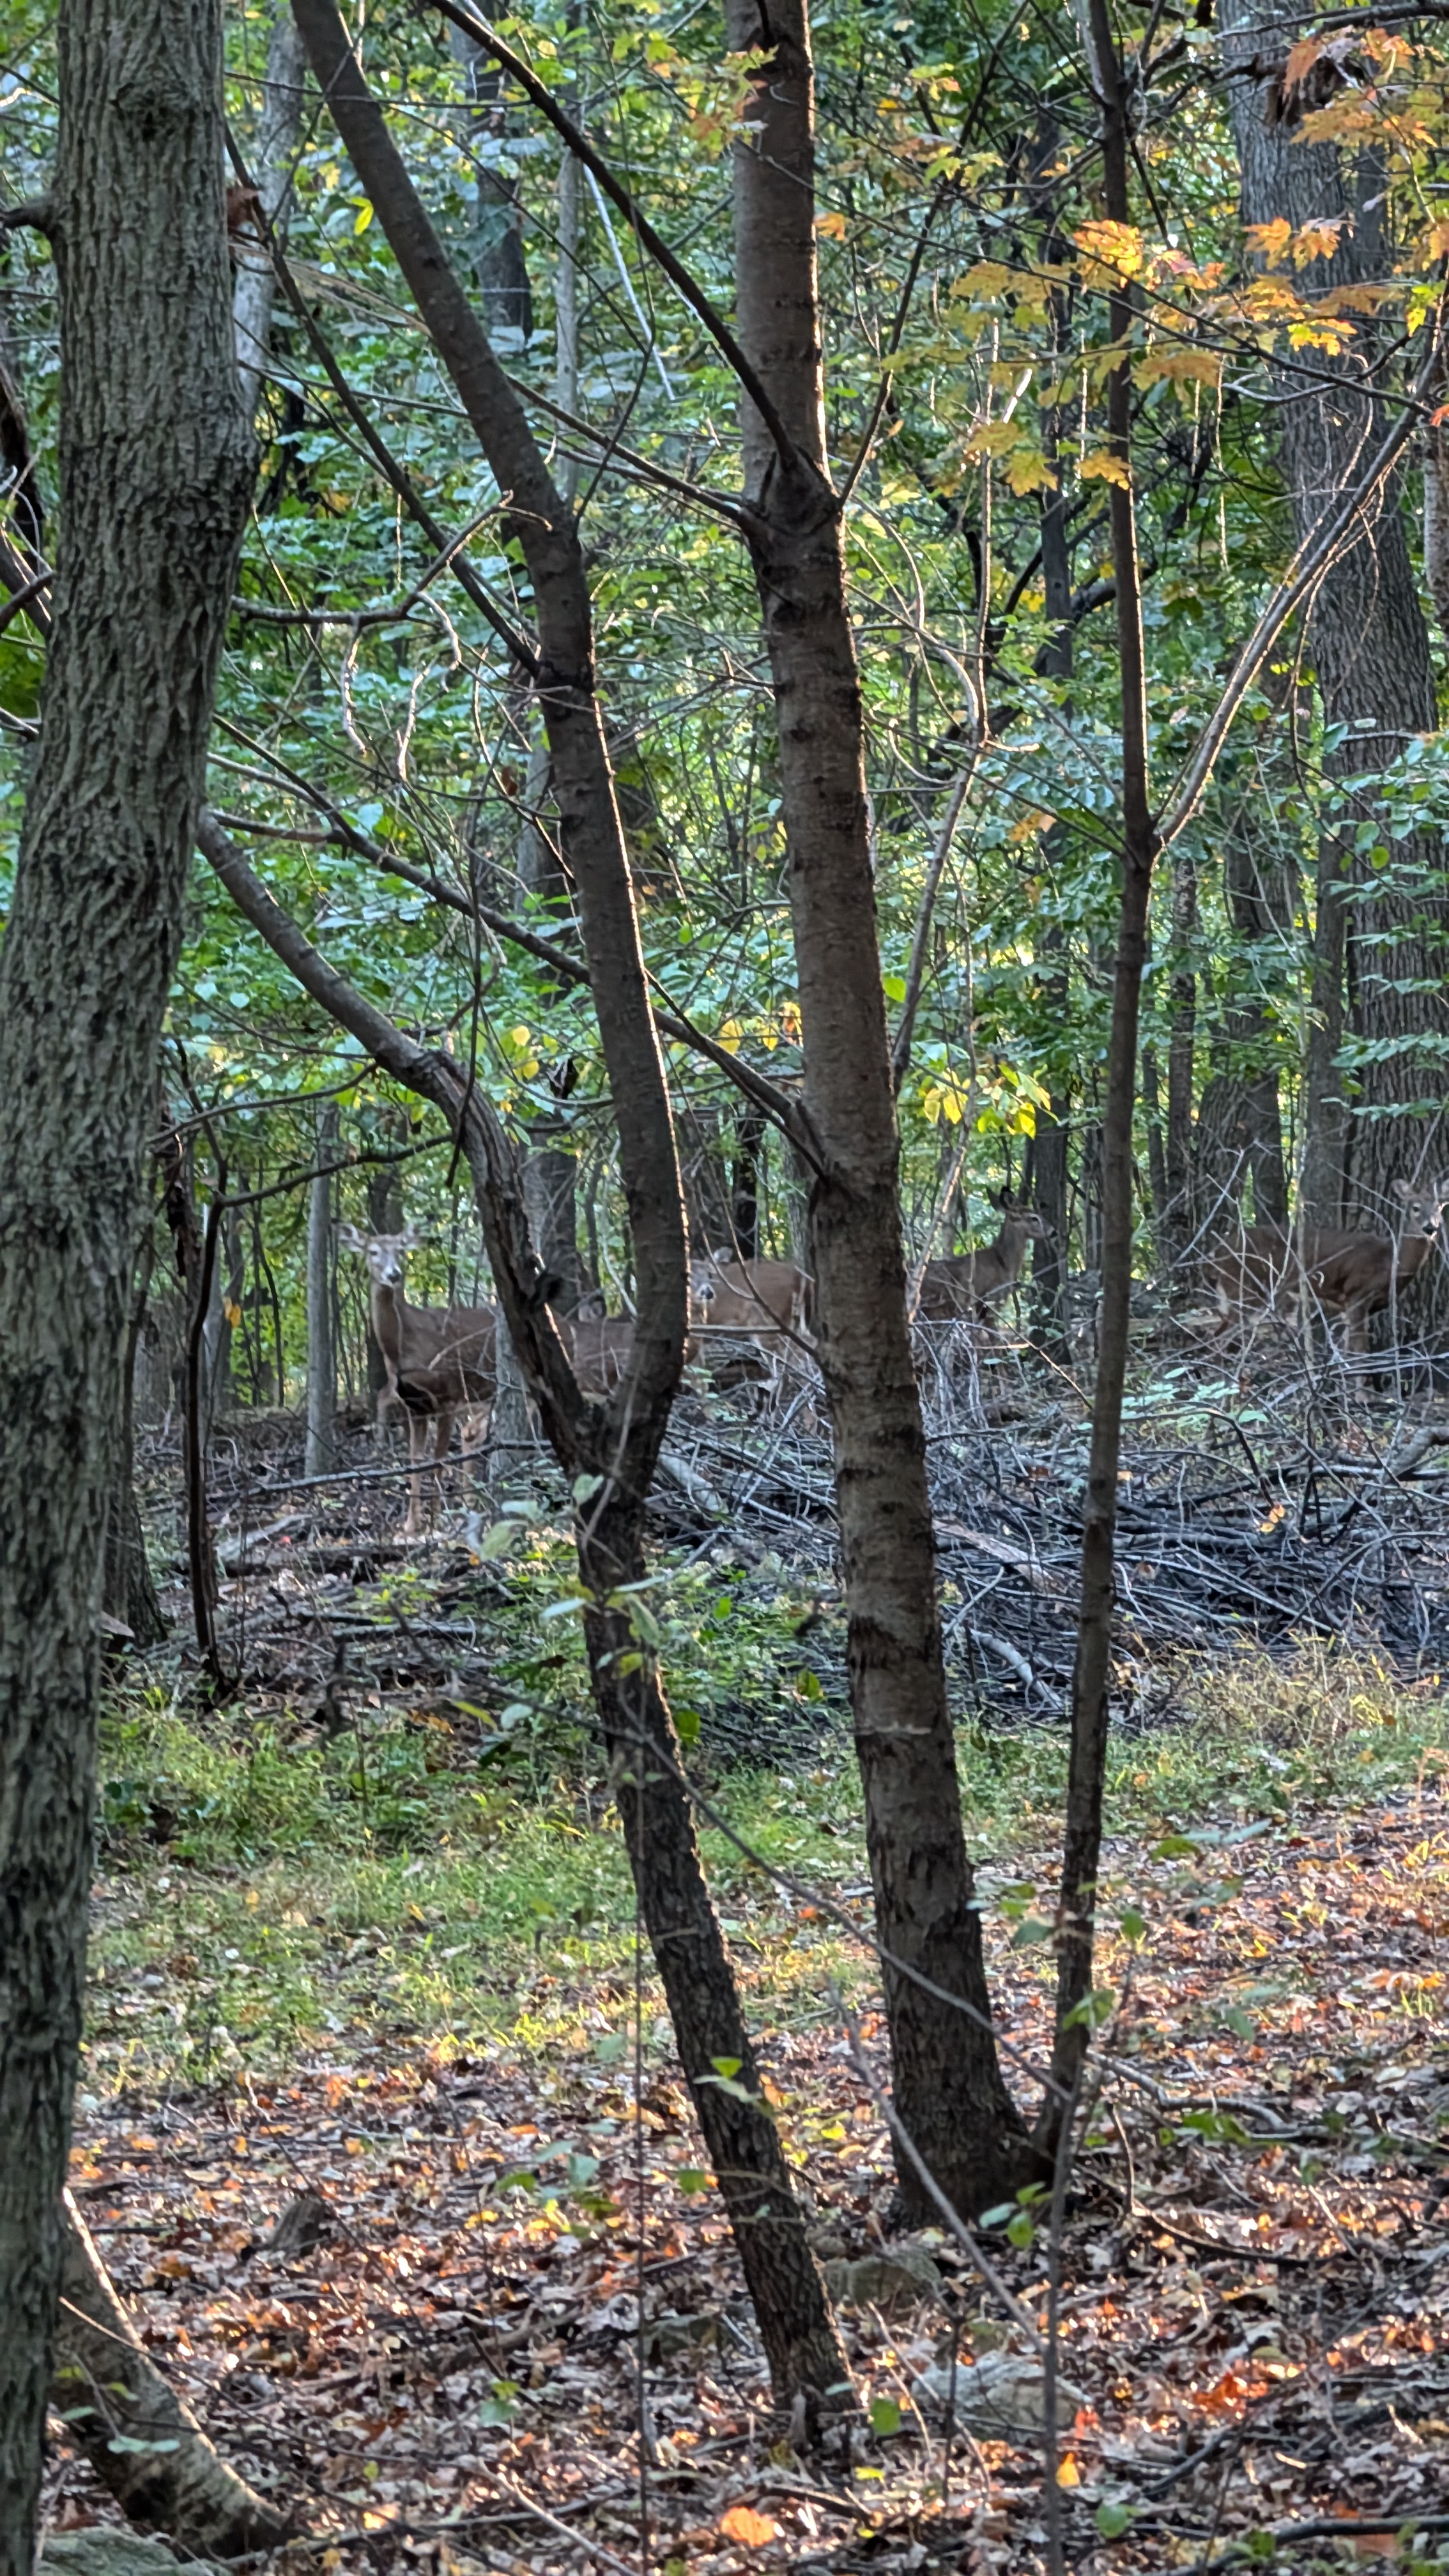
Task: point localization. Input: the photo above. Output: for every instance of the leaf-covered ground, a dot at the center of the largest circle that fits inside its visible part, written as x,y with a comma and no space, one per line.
519,2339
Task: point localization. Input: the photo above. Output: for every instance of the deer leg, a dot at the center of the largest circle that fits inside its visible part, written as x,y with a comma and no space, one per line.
418,1426
441,1439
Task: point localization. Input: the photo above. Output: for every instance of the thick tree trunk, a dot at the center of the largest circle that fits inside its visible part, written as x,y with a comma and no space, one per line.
1370,651
141,2439
155,466
948,2084
321,1340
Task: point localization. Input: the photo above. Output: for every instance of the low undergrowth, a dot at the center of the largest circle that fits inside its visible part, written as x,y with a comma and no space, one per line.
274,1885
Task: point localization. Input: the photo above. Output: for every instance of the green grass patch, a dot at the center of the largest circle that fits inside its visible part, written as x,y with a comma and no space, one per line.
266,1896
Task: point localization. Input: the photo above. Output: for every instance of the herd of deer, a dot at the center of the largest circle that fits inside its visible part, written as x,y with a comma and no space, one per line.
441,1360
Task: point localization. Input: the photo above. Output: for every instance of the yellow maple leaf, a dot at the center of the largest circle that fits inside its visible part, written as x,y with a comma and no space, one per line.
832,225
1178,367
752,2530
1116,248
1270,241
1103,467
1316,240
1069,2475
1028,470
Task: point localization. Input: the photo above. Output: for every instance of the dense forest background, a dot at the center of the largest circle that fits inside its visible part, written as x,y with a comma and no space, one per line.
721,765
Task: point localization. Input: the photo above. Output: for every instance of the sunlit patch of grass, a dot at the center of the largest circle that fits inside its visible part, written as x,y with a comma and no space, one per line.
266,1898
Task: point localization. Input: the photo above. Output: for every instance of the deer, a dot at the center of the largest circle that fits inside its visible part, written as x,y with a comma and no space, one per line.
962,1285
1355,1275
767,1304
438,1358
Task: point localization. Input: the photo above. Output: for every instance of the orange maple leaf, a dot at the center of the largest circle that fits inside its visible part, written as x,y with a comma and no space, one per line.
752,2530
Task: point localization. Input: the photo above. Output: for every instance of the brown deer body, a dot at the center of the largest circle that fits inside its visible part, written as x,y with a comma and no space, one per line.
1342,1273
751,1318
438,1358
959,1286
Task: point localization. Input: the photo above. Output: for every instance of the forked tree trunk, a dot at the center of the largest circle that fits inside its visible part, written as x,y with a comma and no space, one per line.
613,1449
155,468
948,2083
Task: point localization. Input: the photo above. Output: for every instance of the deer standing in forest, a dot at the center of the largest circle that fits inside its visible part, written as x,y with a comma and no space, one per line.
437,1358
1355,1275
962,1285
769,1304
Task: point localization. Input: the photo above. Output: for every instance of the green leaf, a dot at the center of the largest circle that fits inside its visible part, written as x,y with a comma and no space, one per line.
585,1488
1113,2519
691,2180
1133,1924
726,2066
885,2416
687,1724
499,1539
128,2442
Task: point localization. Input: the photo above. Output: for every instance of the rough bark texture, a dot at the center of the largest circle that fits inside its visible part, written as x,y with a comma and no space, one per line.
1239,1129
1087,1765
155,466
1369,641
949,2089
128,1593
106,2386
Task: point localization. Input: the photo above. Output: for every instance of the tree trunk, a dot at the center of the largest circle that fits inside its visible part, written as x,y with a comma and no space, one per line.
1050,1172
1181,1054
949,2089
1371,654
1087,1765
321,1342
278,129
384,1216
155,468
745,1183
128,1593
615,1447
142,2440
1239,1129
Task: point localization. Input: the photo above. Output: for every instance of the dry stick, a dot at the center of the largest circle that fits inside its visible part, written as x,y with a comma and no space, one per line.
198,1536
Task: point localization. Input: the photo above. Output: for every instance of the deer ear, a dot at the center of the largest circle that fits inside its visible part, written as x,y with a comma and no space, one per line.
350,1239
410,1238
1402,1189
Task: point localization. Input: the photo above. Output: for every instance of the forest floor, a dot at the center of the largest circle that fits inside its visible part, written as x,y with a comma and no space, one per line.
367,1965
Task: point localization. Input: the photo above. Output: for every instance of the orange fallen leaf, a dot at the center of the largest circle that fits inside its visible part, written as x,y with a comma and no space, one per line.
752,2530
1068,2474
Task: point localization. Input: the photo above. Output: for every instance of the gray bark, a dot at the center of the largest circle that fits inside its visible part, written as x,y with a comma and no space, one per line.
155,468
279,127
112,2395
1370,652
321,1340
